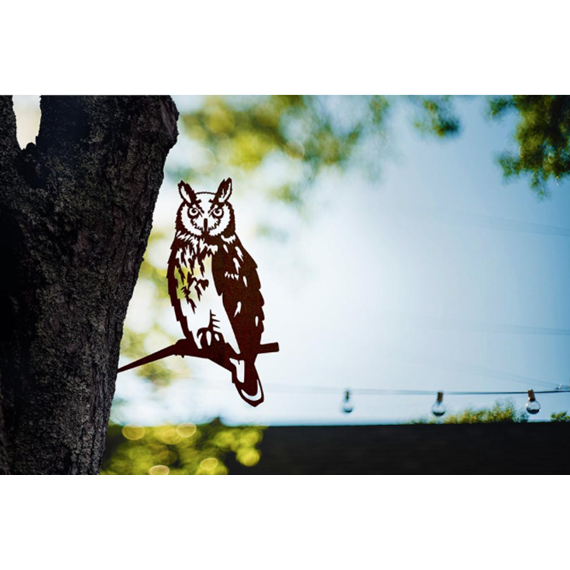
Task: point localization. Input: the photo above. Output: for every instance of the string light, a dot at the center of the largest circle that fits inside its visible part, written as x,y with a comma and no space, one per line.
347,406
533,405
438,409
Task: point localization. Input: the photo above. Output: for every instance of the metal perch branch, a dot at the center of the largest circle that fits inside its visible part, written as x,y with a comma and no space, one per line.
185,348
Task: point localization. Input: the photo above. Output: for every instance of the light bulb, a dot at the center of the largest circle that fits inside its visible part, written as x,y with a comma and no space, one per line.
347,406
438,409
533,405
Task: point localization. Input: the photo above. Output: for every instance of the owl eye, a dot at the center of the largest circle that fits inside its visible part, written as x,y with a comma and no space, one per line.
218,212
193,211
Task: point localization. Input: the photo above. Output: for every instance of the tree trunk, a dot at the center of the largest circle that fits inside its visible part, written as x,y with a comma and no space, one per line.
75,215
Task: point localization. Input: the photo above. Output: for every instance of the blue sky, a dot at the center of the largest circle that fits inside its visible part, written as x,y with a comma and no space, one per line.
420,279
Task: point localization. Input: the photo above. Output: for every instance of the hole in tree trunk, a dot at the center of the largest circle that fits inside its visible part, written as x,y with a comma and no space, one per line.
27,111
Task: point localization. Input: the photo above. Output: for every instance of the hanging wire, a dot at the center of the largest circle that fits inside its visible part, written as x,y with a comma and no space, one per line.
300,389
461,367
287,388
438,408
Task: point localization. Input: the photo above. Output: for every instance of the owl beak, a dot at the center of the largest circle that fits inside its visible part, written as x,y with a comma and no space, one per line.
206,225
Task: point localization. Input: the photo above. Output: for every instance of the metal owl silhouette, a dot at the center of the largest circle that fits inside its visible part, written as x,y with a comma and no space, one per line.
215,291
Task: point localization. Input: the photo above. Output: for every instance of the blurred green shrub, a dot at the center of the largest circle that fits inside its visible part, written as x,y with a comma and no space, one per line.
184,449
560,417
501,412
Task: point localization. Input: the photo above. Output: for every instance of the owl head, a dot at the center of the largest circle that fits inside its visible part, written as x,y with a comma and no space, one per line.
205,215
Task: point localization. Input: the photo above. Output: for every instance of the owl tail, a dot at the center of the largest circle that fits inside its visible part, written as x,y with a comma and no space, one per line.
250,389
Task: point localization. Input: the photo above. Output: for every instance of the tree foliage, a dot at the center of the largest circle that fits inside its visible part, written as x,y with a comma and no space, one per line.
321,132
314,132
542,136
437,116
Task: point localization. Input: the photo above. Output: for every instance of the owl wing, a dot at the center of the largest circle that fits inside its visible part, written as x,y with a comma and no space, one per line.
179,287
237,281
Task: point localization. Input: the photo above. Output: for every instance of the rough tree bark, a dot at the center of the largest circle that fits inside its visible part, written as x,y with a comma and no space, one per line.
75,215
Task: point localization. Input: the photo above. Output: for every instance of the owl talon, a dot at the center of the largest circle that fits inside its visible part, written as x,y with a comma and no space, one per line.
207,337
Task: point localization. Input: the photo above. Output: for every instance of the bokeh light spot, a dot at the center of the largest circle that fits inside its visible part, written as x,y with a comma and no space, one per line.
209,464
249,457
186,430
133,432
168,434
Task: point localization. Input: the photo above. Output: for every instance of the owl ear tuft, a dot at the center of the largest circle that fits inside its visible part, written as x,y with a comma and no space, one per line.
224,191
186,192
